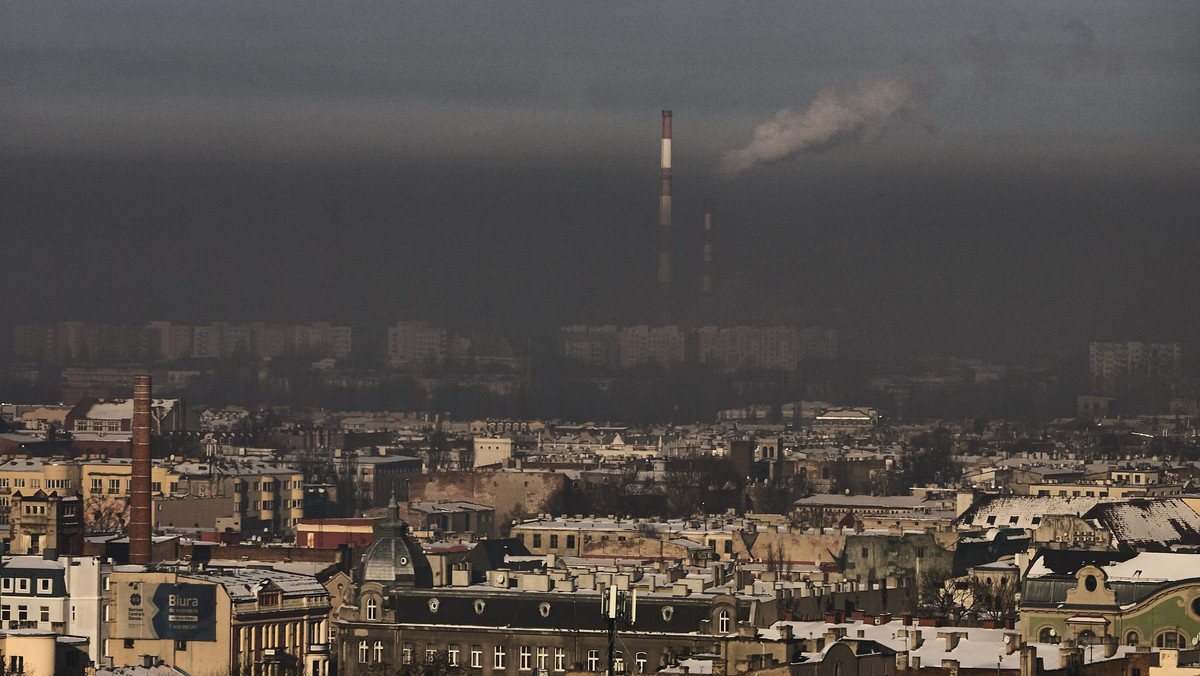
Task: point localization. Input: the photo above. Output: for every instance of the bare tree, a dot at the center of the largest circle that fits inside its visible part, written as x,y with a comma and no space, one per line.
942,594
995,601
103,514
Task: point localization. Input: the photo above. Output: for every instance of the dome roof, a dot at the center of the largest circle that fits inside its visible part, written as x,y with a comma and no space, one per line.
394,560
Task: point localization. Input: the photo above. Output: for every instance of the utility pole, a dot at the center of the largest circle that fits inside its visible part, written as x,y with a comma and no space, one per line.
617,606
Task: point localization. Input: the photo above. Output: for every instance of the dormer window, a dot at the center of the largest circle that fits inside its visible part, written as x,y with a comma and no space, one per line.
268,598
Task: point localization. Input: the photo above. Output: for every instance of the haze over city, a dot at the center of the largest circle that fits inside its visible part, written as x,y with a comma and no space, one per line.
1030,165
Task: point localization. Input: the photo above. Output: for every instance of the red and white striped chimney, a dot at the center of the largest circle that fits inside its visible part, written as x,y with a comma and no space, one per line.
706,274
664,206
139,499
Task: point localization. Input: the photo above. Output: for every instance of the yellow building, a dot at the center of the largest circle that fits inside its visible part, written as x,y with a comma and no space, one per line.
28,475
221,620
32,651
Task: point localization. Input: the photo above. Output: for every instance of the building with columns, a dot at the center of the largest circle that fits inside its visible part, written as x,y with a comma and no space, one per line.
200,620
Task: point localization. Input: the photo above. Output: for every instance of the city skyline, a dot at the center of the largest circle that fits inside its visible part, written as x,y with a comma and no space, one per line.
981,166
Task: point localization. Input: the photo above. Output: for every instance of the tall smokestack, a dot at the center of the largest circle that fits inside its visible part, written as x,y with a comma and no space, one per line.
706,272
139,501
664,207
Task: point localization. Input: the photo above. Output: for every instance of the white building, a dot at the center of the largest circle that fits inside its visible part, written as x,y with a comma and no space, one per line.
66,595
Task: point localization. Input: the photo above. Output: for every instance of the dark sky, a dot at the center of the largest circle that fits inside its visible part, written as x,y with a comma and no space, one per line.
940,170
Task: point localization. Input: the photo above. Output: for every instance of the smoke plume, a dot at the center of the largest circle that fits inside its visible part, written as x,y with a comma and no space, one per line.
835,117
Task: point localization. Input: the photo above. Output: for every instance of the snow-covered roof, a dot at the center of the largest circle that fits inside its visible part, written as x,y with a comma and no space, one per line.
27,562
1148,522
122,409
977,648
1156,566
241,583
1021,511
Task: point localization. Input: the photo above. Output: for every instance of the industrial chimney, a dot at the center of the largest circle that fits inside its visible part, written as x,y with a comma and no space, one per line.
139,501
706,272
664,207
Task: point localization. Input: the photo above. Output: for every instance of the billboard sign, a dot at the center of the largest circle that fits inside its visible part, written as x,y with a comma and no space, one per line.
182,612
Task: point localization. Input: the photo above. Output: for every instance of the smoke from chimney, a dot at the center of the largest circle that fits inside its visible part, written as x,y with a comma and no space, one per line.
139,499
834,117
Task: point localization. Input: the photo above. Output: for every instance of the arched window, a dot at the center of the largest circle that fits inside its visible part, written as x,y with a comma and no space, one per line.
1132,638
379,651
723,622
364,652
1170,639
1086,637
1047,635
372,608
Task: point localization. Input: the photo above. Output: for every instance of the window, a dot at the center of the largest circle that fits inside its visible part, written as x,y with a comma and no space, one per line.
128,644
379,651
526,662
452,655
571,541
7,584
639,661
543,655
156,486
114,486
723,622
1132,638
364,652
920,552
180,645
5,613
1170,639
476,657
593,661
537,539
560,659
44,614
554,541
1047,635
19,483
430,653
23,585
618,662
498,657
3,483
372,608
44,585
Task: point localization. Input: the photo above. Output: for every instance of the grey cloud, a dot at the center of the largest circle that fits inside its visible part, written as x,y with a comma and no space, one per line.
1086,53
